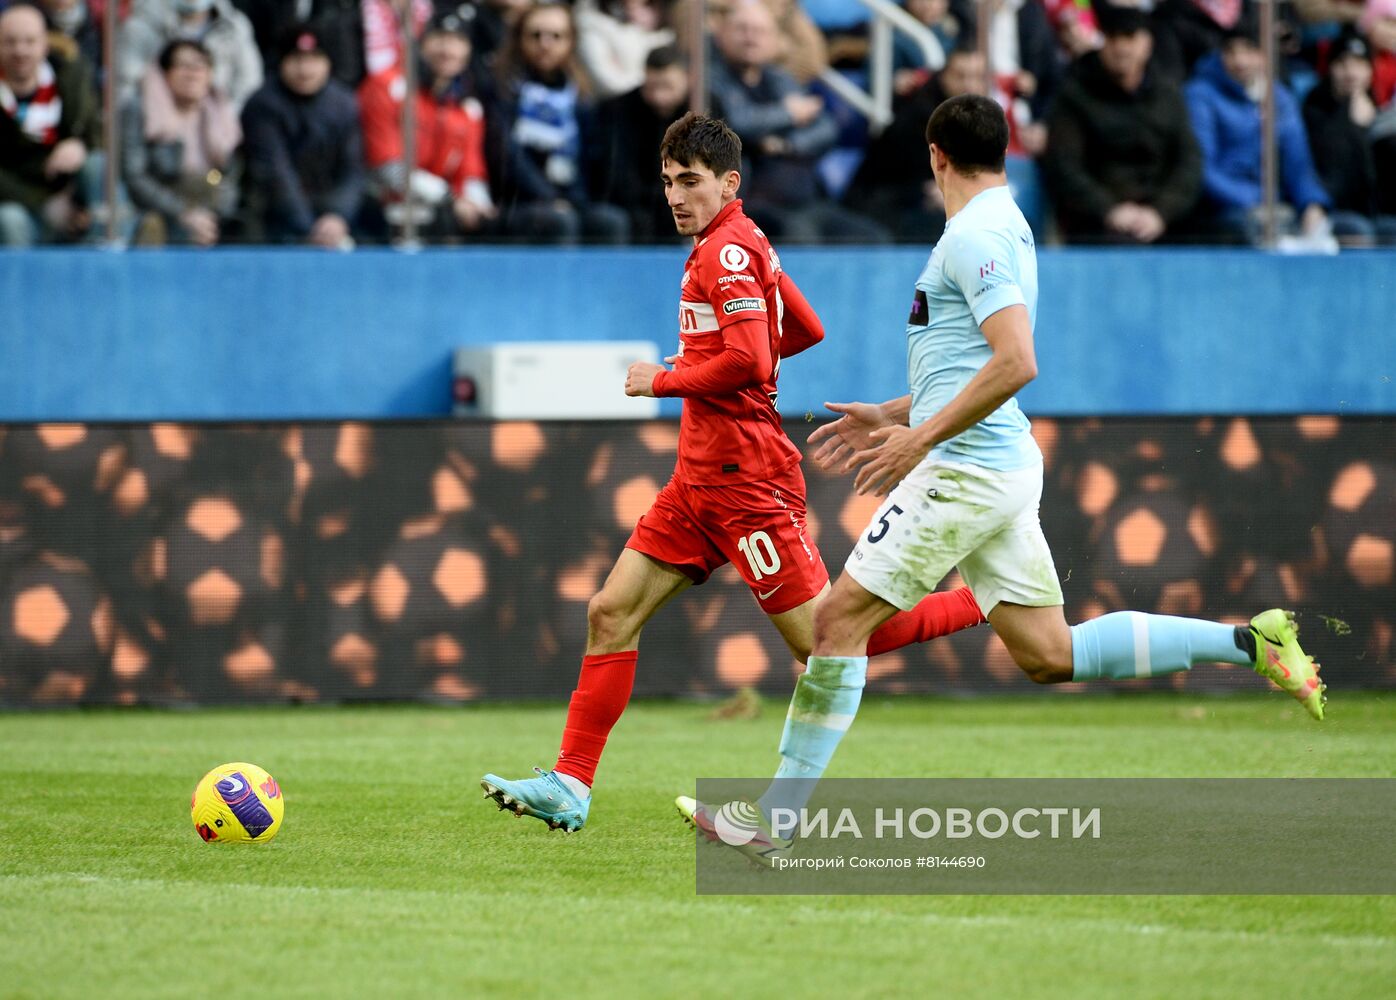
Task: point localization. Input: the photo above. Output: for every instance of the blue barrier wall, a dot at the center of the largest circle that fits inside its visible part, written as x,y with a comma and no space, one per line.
291,334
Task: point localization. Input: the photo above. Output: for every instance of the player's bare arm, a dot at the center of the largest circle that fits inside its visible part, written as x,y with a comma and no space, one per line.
897,450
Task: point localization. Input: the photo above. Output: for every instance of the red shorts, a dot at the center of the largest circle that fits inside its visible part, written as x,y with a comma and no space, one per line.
758,527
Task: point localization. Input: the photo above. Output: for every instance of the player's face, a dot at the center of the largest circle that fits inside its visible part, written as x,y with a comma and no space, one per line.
696,194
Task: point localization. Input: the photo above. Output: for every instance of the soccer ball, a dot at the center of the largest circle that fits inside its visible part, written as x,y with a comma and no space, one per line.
237,803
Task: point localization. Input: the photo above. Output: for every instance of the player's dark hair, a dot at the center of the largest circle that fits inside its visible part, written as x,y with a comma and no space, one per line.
700,140
972,131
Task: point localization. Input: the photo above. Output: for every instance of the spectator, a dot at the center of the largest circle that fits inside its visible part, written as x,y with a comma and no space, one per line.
1122,162
217,24
613,40
783,132
804,54
382,23
803,49
1026,71
177,143
894,184
953,26
490,30
450,179
304,149
548,123
50,168
74,33
1187,30
1076,26
1223,102
630,128
1338,114
340,24
1379,23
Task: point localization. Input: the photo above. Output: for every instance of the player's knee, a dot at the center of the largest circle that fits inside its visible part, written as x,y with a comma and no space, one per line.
607,620
834,627
1043,665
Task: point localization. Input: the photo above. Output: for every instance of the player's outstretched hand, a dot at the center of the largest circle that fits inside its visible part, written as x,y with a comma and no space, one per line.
841,442
639,378
896,451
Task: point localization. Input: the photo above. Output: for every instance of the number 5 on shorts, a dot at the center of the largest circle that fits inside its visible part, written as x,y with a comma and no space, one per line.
761,553
877,534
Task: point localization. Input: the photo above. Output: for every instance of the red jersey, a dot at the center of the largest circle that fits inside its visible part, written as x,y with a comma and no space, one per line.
730,320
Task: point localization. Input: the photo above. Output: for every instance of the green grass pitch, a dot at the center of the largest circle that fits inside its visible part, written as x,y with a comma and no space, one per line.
392,877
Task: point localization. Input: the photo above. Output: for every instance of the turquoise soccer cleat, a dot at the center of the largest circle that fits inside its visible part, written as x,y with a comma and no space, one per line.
544,797
1279,657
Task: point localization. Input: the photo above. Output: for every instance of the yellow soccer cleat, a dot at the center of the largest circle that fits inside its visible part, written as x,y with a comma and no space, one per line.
1279,657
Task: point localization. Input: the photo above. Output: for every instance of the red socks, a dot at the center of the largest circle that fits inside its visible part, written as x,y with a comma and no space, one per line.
936,615
603,690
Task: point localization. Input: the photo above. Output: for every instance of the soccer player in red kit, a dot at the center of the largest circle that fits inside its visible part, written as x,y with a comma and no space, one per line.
737,494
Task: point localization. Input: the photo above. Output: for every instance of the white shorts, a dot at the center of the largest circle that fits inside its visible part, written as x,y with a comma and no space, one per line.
946,515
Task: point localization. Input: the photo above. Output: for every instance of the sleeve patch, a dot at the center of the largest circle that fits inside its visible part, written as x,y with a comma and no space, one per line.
743,305
920,310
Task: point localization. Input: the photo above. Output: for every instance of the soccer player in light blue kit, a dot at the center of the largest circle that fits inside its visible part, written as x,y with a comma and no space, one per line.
963,479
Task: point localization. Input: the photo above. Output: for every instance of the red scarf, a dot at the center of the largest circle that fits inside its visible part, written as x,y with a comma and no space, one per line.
37,116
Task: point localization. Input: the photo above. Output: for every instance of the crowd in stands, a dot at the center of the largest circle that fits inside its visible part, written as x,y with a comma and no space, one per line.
1132,121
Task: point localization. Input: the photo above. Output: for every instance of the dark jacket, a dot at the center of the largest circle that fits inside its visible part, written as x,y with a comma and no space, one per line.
22,158
305,156
1107,146
1341,152
895,170
1039,55
1227,125
758,112
626,170
1384,157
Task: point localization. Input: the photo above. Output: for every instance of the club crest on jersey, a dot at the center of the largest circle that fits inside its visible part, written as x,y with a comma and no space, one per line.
743,305
733,257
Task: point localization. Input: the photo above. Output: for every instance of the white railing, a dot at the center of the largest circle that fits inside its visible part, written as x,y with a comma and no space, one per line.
887,19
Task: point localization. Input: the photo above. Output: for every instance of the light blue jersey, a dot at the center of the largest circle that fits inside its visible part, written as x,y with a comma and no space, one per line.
984,262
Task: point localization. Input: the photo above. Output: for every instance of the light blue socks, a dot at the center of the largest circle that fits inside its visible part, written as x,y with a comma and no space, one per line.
825,702
1127,644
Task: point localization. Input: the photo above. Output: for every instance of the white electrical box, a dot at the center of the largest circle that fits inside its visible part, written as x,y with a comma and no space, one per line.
552,381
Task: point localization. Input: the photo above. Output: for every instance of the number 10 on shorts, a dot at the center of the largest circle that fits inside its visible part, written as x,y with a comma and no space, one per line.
760,553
